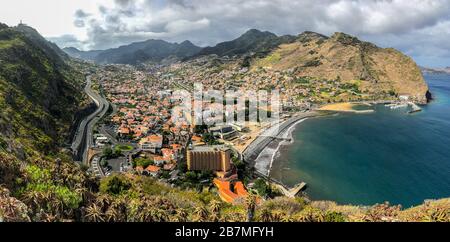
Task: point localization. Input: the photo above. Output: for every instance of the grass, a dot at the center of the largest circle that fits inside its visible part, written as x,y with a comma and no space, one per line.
270,60
125,147
5,44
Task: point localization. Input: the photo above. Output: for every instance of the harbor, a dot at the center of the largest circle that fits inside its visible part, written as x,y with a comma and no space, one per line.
414,108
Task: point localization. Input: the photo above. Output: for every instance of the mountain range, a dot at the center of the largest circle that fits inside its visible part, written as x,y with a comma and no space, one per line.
139,52
156,50
340,57
427,70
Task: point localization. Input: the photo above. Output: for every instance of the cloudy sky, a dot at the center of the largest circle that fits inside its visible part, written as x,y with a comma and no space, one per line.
420,28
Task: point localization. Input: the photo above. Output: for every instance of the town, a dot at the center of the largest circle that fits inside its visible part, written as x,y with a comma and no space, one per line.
139,134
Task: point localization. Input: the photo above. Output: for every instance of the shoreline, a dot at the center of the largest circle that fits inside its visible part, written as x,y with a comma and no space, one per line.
264,149
346,107
287,134
261,145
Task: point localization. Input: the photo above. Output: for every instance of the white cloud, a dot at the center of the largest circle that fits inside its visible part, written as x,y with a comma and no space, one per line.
183,26
410,25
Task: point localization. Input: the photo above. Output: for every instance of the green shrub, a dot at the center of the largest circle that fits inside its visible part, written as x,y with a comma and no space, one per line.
334,217
143,162
115,185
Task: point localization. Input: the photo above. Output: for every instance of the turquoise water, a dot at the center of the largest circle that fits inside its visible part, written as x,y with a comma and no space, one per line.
371,158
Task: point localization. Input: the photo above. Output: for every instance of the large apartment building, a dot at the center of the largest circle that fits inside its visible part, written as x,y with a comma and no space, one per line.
209,159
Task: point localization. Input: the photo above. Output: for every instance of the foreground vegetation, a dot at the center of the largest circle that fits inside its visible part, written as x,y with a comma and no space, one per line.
53,190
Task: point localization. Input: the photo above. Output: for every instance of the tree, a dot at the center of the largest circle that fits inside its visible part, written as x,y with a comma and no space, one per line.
334,217
262,187
107,152
165,175
117,152
143,162
114,185
191,176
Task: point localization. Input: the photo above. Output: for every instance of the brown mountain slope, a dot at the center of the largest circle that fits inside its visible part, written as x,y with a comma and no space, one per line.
345,58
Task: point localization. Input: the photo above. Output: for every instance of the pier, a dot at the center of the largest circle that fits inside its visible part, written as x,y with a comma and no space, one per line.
287,191
414,107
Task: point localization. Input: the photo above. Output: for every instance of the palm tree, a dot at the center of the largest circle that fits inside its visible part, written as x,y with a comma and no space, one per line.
33,199
153,214
94,213
319,216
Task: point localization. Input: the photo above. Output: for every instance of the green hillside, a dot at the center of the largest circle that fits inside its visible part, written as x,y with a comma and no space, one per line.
40,94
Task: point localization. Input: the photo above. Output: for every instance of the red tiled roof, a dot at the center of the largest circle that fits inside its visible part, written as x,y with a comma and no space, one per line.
152,169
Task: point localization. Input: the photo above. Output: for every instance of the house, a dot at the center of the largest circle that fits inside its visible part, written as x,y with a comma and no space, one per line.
403,97
225,193
152,170
124,131
101,140
151,143
168,154
160,160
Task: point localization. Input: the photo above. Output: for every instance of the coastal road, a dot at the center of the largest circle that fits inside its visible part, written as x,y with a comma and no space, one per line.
84,136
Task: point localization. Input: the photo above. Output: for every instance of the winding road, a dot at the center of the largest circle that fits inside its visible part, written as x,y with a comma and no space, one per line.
84,136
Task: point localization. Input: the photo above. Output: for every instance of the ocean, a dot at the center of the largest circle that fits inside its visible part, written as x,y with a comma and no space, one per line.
363,159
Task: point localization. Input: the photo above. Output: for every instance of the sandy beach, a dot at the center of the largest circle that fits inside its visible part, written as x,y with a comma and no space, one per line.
344,107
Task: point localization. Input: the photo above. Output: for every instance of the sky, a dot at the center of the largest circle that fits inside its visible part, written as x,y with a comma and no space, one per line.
419,28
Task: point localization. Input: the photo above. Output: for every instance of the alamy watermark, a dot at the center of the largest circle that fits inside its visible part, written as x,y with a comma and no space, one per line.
218,108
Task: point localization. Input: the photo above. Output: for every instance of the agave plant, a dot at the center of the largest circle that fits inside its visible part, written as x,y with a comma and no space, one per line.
265,215
200,214
214,208
94,213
